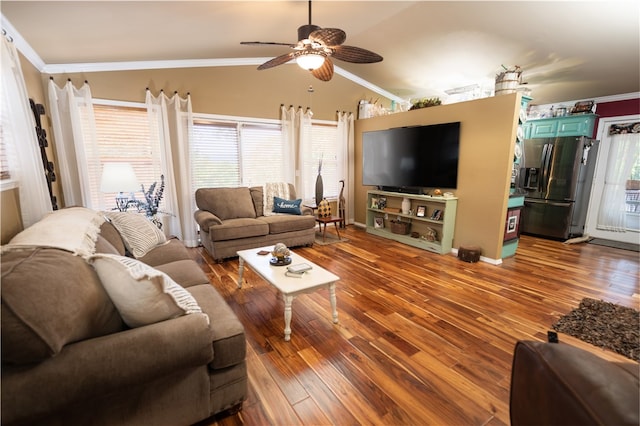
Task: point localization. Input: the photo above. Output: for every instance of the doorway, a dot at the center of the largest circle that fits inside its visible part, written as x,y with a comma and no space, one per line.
609,161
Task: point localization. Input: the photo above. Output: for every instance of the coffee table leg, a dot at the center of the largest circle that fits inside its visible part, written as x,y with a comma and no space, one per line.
334,304
240,272
287,316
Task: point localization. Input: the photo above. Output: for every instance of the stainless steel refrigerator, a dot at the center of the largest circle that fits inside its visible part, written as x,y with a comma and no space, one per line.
555,176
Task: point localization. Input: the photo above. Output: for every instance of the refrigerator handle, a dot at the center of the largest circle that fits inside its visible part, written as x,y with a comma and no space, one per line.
546,160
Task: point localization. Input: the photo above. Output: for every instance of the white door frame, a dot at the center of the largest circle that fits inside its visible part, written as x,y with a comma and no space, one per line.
598,184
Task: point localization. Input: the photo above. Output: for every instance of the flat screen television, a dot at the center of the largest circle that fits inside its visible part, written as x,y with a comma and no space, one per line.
412,157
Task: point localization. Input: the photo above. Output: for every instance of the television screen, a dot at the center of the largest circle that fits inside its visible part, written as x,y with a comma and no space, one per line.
412,157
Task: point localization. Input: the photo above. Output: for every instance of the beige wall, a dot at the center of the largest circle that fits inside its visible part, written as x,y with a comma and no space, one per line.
487,130
239,91
487,134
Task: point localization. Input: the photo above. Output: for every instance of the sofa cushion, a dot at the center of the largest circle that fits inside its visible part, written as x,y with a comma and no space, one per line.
173,250
229,345
258,199
139,234
104,246
111,234
279,224
280,205
187,273
50,298
234,229
143,295
226,203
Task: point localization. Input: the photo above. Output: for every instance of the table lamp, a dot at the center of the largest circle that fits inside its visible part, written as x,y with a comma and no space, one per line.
120,178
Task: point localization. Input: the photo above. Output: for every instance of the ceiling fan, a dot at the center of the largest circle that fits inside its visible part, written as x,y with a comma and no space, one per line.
314,48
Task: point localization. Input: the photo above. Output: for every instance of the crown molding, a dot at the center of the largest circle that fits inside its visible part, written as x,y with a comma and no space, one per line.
21,44
196,63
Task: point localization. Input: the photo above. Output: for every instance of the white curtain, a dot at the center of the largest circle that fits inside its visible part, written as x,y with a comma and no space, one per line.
19,133
623,154
289,144
296,134
76,141
172,119
307,175
345,156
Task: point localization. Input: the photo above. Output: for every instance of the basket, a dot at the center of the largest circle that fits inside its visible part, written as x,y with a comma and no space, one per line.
507,82
399,227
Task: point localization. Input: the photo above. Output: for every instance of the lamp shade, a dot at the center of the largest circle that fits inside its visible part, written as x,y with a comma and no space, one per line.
309,60
119,177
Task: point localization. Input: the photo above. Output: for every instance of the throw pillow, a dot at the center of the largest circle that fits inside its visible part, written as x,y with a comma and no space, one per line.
139,234
143,295
324,208
280,205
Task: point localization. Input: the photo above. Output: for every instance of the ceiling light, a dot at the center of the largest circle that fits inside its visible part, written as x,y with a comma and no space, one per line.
310,60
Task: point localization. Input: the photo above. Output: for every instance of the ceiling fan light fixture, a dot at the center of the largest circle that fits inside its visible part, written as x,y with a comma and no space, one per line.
310,60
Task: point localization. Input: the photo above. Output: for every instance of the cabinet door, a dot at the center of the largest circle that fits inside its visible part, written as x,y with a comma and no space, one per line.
576,126
543,129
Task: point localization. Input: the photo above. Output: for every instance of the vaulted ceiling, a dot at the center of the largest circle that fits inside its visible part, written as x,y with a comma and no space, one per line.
568,50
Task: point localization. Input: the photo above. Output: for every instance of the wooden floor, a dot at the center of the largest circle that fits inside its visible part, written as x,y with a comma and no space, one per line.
421,339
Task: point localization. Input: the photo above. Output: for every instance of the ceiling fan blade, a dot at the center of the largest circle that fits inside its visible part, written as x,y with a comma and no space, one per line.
355,54
278,60
328,36
269,43
325,72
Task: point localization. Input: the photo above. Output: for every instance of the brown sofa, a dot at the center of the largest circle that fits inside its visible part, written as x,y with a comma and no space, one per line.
232,219
69,358
558,384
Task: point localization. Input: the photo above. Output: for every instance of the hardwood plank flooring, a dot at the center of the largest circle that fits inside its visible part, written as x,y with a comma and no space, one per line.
421,339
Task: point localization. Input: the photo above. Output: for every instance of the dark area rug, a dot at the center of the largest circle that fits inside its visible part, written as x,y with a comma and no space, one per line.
614,244
604,324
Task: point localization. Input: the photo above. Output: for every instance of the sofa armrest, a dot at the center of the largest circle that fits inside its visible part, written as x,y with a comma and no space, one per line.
205,219
95,367
307,211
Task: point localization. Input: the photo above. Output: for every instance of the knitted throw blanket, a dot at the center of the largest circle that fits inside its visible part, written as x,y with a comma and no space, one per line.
273,189
74,229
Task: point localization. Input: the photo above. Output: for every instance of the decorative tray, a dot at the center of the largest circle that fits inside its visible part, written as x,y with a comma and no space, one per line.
276,262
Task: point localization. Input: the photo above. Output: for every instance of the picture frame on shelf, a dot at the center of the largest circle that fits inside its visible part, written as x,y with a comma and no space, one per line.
382,203
378,222
374,203
421,211
436,215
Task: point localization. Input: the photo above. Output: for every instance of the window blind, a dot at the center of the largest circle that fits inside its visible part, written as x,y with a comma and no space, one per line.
324,145
262,154
215,155
124,134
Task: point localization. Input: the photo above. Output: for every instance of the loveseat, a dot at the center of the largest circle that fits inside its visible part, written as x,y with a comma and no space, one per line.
232,219
93,337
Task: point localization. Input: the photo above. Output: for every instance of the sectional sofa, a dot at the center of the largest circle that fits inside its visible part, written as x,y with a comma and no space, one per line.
118,326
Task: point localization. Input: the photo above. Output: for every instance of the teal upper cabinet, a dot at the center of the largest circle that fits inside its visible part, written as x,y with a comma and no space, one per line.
574,125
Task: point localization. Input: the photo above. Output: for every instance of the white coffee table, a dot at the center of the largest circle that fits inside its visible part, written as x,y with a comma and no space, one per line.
290,287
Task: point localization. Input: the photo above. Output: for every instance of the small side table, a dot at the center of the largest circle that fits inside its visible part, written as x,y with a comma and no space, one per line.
333,219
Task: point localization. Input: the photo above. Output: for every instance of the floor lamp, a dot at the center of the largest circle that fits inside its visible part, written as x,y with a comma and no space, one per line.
120,178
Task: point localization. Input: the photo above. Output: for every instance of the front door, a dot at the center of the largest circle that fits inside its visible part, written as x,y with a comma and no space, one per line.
610,161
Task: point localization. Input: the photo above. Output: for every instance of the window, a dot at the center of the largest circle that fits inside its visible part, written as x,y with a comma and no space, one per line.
124,135
324,145
228,152
235,153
